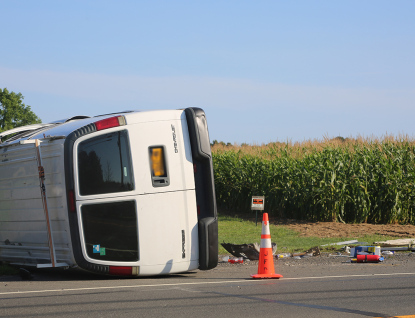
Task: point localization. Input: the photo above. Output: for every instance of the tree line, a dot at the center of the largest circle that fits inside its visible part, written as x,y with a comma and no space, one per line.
13,112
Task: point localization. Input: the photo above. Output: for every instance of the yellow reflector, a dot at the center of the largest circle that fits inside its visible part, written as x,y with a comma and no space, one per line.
157,161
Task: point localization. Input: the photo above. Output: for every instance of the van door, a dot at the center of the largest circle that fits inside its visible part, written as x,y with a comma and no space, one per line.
105,197
167,213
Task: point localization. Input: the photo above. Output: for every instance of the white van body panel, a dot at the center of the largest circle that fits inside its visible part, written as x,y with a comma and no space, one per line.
172,255
23,232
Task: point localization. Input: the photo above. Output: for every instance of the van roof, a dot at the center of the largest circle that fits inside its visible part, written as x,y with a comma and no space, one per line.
63,127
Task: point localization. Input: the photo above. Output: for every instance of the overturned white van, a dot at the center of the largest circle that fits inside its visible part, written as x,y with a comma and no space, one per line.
121,194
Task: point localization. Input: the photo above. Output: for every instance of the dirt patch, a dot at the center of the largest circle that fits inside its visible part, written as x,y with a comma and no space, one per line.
335,229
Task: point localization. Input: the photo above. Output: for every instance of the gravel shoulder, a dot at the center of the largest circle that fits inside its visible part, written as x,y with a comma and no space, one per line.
330,262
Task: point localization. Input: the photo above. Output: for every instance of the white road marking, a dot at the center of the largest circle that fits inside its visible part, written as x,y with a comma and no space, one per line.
194,283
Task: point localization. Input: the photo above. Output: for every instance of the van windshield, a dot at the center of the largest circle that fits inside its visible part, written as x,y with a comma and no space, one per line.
104,164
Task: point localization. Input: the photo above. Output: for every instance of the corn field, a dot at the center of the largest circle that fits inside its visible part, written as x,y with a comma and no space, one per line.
350,181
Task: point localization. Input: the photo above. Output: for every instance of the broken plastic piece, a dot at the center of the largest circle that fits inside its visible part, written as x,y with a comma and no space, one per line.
244,250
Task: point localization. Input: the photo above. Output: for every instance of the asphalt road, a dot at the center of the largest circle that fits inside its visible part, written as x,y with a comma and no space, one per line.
314,287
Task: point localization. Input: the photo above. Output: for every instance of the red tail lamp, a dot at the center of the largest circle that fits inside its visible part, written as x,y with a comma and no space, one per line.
110,122
124,270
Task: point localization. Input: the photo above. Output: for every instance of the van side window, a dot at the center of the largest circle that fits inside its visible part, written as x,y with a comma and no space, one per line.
104,164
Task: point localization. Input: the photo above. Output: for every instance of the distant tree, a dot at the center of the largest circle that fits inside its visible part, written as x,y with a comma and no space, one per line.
13,113
339,138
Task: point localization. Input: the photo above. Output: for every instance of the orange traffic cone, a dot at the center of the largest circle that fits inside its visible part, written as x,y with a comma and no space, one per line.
266,259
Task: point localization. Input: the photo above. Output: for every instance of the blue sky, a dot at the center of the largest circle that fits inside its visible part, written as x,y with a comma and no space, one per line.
262,70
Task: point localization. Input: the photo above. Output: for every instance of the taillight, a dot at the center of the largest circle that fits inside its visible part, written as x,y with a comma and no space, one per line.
110,122
71,200
124,270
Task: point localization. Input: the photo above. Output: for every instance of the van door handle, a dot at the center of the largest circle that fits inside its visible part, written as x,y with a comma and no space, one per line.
160,182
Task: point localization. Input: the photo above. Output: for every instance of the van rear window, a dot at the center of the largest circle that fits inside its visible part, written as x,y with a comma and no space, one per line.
110,231
104,164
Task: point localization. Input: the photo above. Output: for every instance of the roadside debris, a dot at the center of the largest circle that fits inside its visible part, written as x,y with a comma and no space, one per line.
283,255
352,242
338,254
363,253
246,251
243,250
367,259
233,260
397,245
398,242
358,252
342,243
314,251
365,250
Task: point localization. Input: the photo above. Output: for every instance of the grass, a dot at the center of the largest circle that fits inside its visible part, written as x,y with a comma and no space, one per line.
239,231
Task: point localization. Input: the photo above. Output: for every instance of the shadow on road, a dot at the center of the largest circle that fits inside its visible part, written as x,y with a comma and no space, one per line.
50,274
